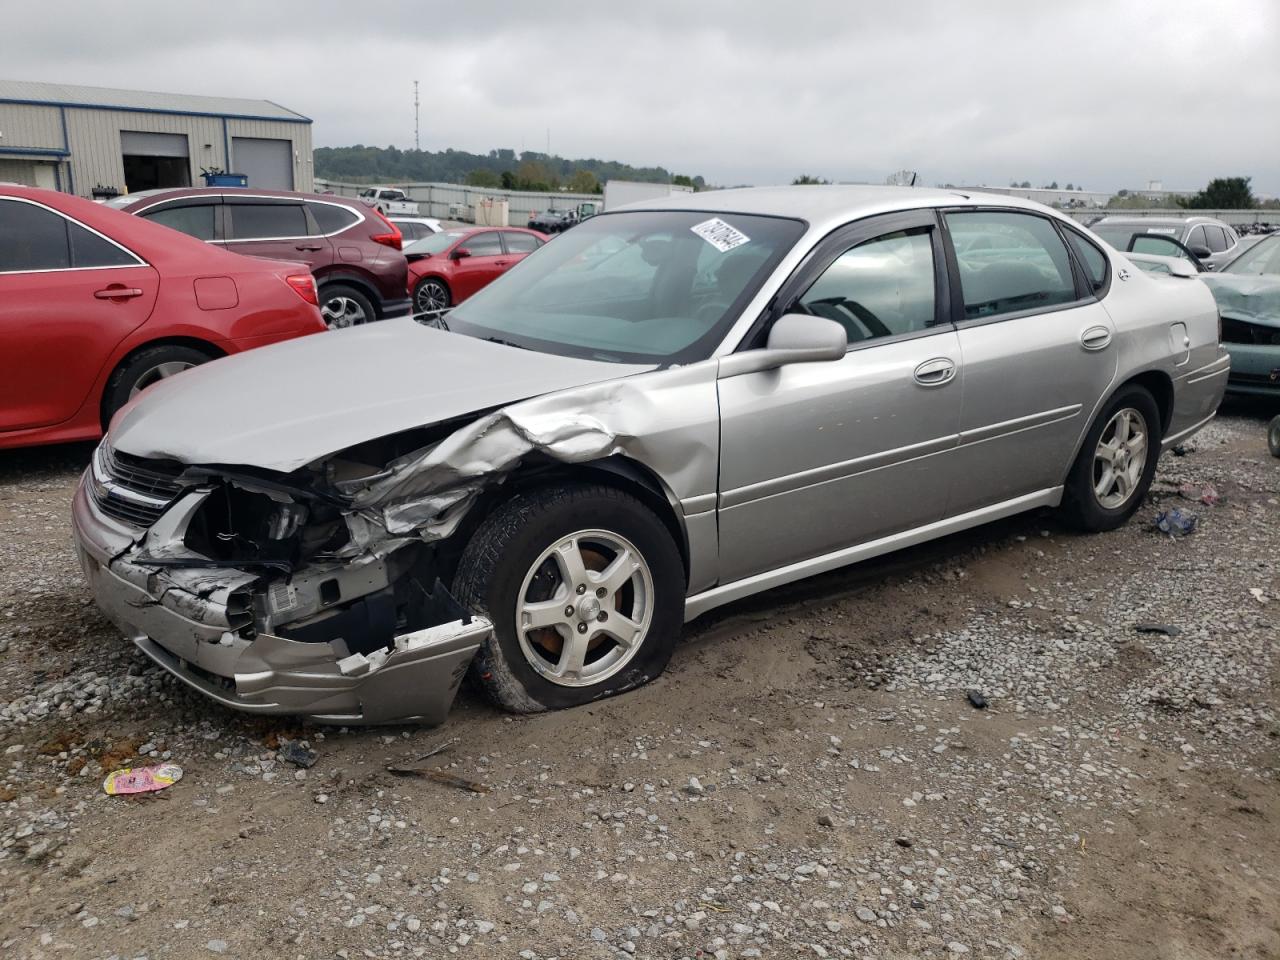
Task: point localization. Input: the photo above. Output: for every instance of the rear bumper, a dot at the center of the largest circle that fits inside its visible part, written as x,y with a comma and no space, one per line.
194,622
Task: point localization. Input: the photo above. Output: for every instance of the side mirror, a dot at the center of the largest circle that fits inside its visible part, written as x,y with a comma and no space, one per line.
1202,253
460,253
794,338
1184,268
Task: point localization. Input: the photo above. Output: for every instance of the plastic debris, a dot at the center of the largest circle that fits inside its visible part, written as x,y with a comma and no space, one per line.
1258,594
141,779
292,751
1207,494
1166,629
1176,522
977,699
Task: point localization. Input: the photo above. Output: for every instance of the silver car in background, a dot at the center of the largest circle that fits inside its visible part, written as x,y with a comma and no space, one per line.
1212,242
670,407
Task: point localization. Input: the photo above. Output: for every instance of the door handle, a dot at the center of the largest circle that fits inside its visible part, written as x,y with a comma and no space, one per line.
307,247
501,263
935,372
1095,338
117,292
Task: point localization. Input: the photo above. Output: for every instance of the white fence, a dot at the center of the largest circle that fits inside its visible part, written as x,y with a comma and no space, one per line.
451,201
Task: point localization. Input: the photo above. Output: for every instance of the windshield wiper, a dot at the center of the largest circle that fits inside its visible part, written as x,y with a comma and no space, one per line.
505,343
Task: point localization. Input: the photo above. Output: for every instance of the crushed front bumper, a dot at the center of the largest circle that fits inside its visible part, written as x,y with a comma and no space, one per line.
192,622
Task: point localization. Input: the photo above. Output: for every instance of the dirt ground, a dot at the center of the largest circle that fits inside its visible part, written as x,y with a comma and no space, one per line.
811,778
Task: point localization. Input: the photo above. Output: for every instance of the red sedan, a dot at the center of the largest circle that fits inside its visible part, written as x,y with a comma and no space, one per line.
447,267
95,305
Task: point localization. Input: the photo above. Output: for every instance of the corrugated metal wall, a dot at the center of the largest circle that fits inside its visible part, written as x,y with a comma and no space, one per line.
450,201
29,127
93,139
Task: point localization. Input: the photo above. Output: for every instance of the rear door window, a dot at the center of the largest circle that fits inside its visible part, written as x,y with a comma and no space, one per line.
267,221
1009,263
195,220
32,238
521,242
484,244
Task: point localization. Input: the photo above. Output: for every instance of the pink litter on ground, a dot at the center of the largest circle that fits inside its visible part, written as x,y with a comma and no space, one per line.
141,779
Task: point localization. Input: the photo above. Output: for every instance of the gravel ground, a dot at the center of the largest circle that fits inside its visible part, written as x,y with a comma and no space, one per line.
810,779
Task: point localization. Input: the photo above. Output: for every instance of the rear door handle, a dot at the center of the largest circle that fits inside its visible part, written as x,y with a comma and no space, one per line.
501,263
1095,338
935,372
307,247
115,292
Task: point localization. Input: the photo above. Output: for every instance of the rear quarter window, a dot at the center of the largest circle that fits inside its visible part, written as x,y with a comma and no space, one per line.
332,217
1091,258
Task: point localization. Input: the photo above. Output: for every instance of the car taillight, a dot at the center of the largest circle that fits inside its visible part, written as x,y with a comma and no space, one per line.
392,239
304,284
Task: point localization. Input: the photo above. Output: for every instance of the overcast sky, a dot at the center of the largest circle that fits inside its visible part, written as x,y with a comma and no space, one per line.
1109,93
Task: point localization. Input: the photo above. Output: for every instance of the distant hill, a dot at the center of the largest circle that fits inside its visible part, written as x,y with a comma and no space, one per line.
525,171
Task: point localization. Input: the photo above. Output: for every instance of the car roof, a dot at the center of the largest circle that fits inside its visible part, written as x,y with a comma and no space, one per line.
1161,221
240,192
826,206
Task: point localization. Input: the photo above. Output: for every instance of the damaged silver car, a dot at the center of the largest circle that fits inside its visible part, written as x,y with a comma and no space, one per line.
670,407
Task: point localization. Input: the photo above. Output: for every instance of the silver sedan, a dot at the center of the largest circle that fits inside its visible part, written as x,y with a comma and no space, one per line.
670,407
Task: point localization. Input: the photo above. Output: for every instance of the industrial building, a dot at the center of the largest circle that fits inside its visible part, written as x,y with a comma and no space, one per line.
95,141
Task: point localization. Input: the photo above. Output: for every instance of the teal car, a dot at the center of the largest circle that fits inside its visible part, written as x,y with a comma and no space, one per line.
1248,294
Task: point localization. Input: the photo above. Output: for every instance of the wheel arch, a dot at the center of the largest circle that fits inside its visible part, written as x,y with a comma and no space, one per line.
620,472
194,343
1155,382
363,284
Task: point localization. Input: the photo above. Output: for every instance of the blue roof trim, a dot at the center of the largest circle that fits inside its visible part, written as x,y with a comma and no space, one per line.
296,118
36,151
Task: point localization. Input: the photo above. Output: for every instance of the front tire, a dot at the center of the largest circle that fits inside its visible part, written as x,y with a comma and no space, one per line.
585,590
430,295
1116,464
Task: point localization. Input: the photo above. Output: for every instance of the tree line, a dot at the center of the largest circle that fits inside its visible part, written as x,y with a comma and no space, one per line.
505,168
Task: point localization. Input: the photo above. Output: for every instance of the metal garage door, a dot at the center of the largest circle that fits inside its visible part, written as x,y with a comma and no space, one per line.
139,144
267,163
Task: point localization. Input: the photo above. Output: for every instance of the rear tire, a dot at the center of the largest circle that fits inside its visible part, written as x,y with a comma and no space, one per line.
344,306
142,370
1116,464
560,639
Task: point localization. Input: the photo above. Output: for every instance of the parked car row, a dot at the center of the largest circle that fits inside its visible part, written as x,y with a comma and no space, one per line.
353,250
96,306
669,407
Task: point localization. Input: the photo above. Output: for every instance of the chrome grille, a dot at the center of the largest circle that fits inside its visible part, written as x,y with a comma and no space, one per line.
134,490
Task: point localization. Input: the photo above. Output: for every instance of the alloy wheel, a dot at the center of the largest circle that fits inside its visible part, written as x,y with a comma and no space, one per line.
157,373
431,296
1120,458
342,312
584,608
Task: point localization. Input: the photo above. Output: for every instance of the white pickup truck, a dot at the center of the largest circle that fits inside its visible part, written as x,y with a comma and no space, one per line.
389,201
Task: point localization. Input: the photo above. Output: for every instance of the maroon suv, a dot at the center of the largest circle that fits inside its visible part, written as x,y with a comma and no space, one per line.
354,251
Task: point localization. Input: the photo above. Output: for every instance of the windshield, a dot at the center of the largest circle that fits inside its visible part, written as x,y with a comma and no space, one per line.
644,287
436,243
1262,257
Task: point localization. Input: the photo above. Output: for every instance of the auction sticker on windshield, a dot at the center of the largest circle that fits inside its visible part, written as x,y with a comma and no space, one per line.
720,235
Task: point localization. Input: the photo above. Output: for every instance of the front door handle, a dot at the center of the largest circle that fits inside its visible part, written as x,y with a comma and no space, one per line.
1095,338
117,292
935,372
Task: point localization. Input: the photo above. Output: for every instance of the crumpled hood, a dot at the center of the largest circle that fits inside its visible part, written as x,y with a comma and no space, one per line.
283,406
1251,297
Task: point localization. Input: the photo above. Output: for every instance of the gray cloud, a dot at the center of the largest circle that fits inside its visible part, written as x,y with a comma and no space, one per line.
1109,94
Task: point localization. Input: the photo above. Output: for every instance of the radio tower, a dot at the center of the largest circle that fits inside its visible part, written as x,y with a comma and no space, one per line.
416,144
